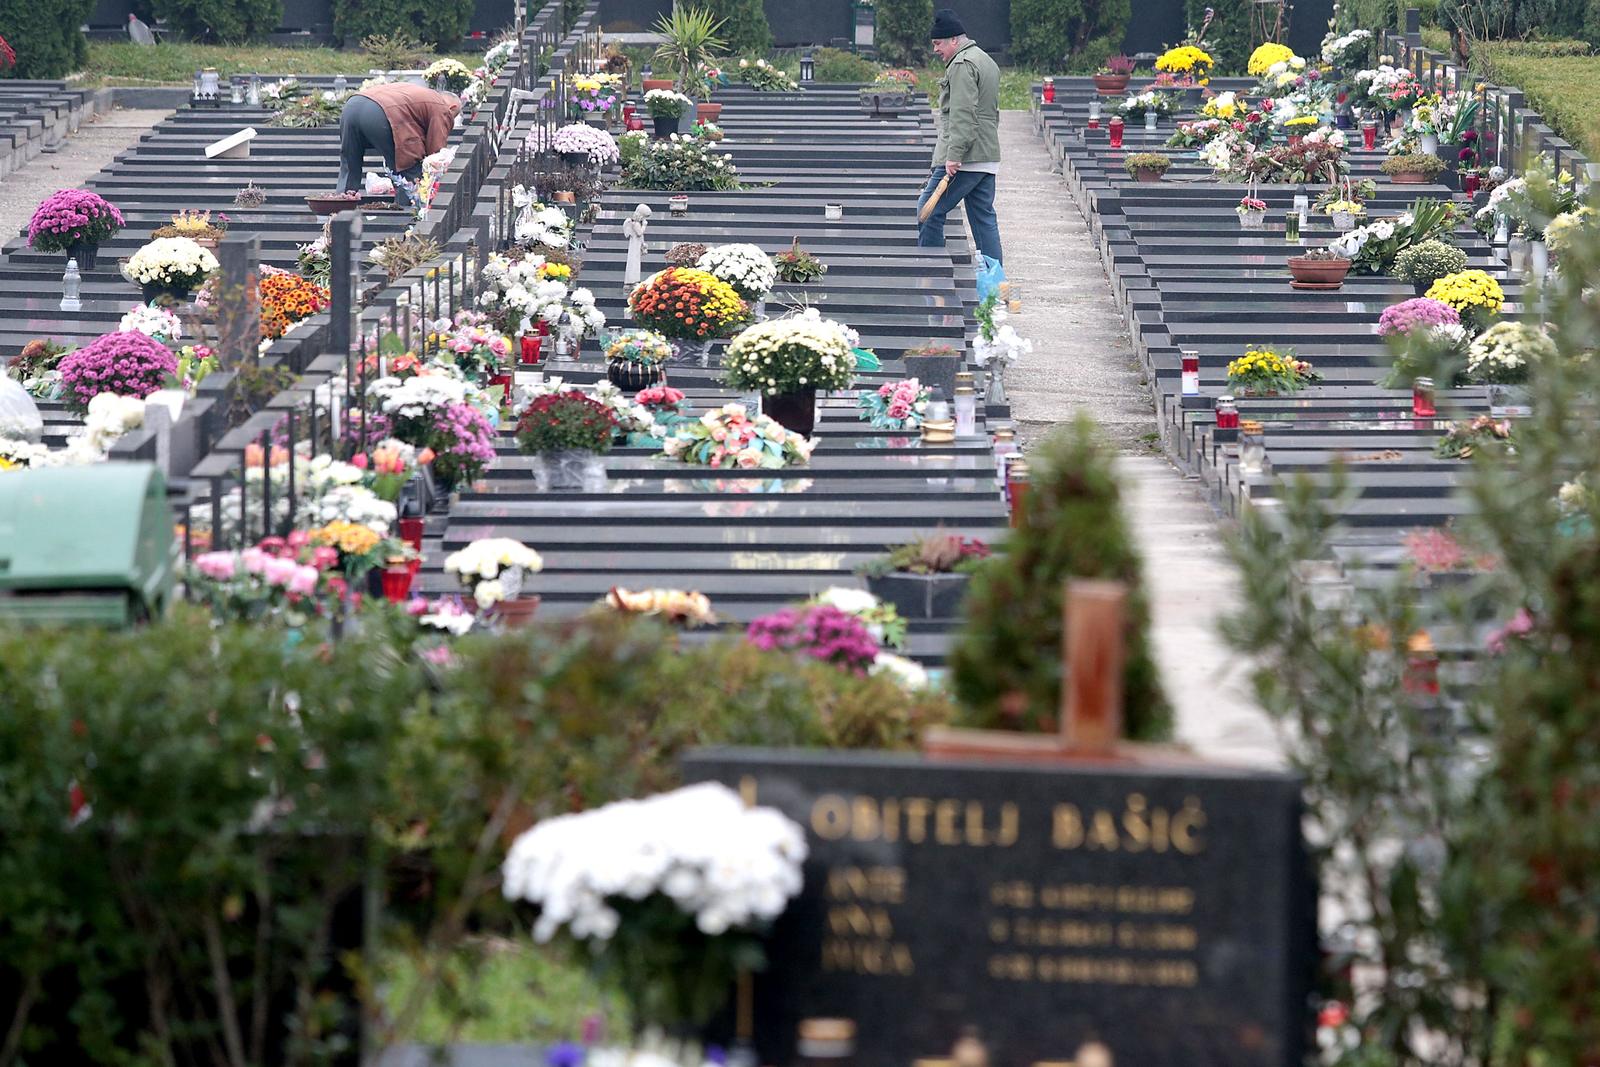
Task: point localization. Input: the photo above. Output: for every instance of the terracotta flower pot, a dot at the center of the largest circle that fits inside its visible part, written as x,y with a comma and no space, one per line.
1147,174
1409,177
1110,84
708,112
516,613
657,83
1318,273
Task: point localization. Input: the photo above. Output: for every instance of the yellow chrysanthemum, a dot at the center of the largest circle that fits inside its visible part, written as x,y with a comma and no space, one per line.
1186,59
348,537
1266,56
1469,289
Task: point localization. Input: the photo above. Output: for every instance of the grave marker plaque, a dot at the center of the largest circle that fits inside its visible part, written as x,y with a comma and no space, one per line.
1162,911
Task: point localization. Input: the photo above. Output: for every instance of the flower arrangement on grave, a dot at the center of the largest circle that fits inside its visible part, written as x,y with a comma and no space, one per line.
729,437
360,548
1249,205
1267,371
565,421
156,322
666,104
680,164
287,299
450,75
1139,164
1465,439
1347,49
172,262
195,225
998,344
792,354
1372,248
820,632
662,401
631,144
538,225
308,112
492,569
70,217
390,465
597,144
1134,107
1412,165
883,621
595,94
331,497
1420,313
797,266
1476,297
1346,193
685,254
1226,105
315,260
1195,134
674,605
1427,261
1507,352
462,440
895,405
643,349
1571,227
707,131
473,346
19,455
516,294
934,554
125,363
688,304
501,54
1186,61
667,893
744,266
274,578
764,77
252,195
1266,56
1387,88
410,404
1314,159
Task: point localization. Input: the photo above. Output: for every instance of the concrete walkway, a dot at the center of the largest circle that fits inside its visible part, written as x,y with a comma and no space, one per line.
80,157
1083,361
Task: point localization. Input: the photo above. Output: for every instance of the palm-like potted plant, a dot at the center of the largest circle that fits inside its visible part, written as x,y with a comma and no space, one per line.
1319,268
1112,78
926,578
1147,166
1412,169
691,44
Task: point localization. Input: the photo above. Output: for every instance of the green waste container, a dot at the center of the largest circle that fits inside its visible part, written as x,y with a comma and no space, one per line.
88,544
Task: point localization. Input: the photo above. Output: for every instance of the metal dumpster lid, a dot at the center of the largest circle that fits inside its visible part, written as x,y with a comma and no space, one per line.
79,527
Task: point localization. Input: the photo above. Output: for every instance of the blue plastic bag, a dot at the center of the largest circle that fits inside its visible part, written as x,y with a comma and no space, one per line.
990,275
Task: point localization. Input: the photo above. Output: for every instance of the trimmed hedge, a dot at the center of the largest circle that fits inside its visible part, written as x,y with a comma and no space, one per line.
226,21
47,36
1564,89
441,23
1057,34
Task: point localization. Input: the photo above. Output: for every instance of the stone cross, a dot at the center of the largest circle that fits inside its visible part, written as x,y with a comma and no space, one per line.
238,301
633,228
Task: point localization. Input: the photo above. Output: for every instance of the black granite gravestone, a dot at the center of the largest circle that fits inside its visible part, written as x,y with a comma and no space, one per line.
1163,912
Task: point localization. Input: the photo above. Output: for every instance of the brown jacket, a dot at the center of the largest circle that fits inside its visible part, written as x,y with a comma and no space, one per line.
421,119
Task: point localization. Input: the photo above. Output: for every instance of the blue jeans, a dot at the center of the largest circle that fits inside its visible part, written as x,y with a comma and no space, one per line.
978,192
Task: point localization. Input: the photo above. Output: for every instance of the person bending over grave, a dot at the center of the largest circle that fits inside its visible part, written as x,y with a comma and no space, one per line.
403,123
967,156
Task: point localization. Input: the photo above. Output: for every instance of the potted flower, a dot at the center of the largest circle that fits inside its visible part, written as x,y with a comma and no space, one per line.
668,894
1145,106
636,359
1252,213
787,360
1412,169
125,363
730,436
492,570
889,93
1146,166
1503,357
199,226
1112,78
895,405
926,578
1426,262
74,221
797,266
688,306
169,266
462,441
1344,213
566,433
582,145
667,108
1475,295
764,77
449,76
1319,268
1482,432
745,267
1265,371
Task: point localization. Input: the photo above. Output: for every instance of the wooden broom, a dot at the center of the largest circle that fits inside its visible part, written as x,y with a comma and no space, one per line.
938,191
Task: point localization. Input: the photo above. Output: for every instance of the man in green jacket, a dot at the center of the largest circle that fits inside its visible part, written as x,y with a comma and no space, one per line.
969,137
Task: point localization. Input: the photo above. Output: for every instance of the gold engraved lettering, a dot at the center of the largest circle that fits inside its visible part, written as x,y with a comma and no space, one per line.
853,919
1135,825
1189,820
975,832
998,929
1067,827
944,820
1103,832
867,957
864,825
917,809
891,820
830,817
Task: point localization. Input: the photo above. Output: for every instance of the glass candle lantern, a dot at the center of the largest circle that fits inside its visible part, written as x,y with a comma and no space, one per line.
1017,487
1369,135
1227,413
808,66
1150,120
1302,206
966,411
237,93
1115,129
210,83
196,92
341,84
1005,445
1252,447
1422,404
255,90
1291,228
1094,114
1049,90
1191,373
833,212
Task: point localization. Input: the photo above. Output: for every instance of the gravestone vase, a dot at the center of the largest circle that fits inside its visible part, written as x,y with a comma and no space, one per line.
568,470
996,395
920,596
1252,220
87,253
936,372
666,126
155,290
795,412
691,352
631,377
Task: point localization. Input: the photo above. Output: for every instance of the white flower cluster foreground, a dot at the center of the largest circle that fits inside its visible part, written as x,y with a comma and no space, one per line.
169,260
743,266
763,353
727,865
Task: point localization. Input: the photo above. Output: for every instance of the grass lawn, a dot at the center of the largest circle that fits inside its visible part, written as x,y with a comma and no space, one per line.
174,63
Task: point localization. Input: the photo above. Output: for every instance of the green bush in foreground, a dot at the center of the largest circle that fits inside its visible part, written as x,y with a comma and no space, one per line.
1006,664
46,36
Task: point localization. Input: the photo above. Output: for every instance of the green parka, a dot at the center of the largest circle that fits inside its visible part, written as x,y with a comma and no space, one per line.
969,109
